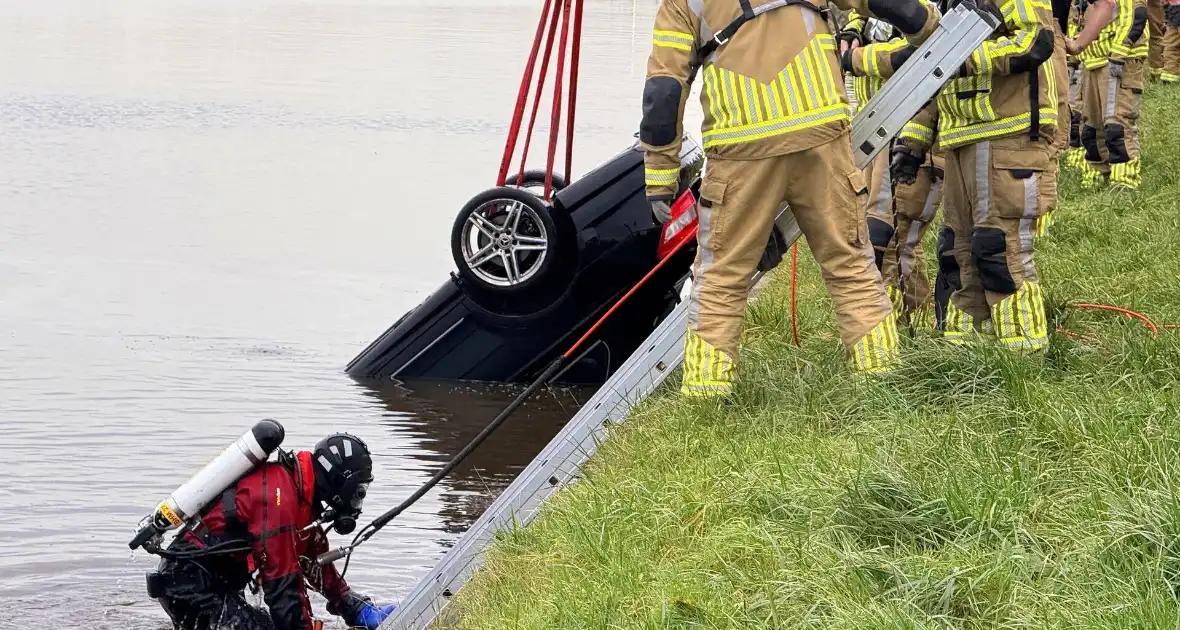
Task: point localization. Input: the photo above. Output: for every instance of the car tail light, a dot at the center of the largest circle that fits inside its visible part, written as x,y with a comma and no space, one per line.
682,227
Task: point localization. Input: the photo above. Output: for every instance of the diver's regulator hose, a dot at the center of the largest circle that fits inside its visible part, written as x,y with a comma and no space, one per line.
383,520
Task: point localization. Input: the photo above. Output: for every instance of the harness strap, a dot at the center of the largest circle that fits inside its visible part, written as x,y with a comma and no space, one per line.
704,51
1034,103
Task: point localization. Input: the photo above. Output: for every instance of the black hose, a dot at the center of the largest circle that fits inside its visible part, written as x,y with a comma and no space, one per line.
381,521
222,548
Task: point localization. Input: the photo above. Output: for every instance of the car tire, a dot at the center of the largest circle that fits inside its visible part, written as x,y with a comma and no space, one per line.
535,179
500,258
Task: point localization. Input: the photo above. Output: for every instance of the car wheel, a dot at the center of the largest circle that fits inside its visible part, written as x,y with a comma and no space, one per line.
534,181
505,241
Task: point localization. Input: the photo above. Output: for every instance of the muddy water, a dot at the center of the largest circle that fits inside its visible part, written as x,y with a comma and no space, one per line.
207,207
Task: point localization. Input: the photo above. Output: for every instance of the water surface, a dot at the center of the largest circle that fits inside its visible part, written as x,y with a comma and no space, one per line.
206,209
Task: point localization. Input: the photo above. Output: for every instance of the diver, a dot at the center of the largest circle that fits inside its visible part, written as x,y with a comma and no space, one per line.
269,522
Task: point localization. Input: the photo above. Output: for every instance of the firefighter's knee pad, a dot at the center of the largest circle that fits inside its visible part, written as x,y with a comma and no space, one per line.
880,233
1090,142
989,249
1116,144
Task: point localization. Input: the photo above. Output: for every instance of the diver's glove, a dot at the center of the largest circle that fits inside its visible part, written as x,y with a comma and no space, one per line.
372,615
661,210
359,610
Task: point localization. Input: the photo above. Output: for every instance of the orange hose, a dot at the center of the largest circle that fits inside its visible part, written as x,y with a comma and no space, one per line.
794,282
570,353
1125,311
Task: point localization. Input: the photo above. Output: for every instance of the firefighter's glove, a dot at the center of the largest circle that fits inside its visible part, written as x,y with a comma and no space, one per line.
846,61
1116,69
661,210
991,7
372,615
848,38
903,166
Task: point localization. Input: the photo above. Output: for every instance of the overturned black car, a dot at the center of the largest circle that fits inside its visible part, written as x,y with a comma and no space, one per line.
534,276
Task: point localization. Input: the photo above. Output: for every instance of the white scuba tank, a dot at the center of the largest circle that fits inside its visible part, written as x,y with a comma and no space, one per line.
247,452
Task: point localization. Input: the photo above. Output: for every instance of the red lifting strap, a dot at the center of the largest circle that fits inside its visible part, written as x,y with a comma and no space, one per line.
552,12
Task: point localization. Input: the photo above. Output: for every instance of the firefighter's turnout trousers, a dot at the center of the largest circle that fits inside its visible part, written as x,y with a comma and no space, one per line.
739,201
904,267
1115,75
996,122
775,130
992,201
1171,46
1110,124
1156,16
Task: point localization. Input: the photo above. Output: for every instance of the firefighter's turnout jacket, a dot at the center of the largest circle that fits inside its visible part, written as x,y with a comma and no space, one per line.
775,89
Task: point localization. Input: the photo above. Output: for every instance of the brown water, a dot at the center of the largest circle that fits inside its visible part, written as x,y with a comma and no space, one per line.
207,207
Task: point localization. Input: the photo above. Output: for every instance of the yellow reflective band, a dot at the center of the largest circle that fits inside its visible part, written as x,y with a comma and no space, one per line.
877,351
673,39
1020,318
918,132
707,370
769,129
661,176
970,133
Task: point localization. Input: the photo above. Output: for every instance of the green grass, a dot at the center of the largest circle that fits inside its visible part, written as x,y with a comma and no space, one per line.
974,489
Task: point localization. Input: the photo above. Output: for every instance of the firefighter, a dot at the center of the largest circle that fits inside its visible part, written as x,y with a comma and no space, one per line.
900,214
776,131
1113,49
871,51
262,522
995,120
1171,46
1060,69
1075,155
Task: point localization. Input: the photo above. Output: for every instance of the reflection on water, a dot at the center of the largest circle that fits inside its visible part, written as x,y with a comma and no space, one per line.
207,207
444,418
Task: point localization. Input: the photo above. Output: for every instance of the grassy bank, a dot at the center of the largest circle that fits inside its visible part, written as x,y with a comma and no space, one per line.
975,490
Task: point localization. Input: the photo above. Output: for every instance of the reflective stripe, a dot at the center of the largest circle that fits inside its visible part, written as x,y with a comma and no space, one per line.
704,261
707,370
1020,318
1028,218
661,176
959,323
773,128
1112,94
877,350
804,94
983,194
954,136
918,132
673,39
883,205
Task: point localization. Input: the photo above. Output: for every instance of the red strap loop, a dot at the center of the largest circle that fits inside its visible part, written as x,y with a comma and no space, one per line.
561,9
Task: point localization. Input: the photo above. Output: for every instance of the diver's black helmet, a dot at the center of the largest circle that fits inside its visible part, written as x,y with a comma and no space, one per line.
343,471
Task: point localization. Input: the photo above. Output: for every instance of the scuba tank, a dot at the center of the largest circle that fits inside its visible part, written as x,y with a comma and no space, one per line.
248,451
